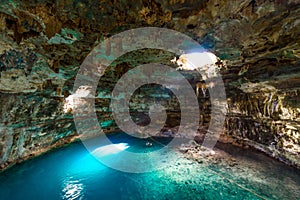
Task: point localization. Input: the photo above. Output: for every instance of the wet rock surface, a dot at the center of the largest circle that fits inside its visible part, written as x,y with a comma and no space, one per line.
225,160
43,43
240,174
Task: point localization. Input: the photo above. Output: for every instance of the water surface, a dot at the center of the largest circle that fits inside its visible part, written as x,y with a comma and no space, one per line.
73,173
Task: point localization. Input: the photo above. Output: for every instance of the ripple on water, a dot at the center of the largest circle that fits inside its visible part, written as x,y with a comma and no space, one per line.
73,173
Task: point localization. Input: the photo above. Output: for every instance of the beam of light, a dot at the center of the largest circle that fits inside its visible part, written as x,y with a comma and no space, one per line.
109,149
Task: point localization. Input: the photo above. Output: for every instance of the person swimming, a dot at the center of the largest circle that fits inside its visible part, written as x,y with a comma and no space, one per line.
149,144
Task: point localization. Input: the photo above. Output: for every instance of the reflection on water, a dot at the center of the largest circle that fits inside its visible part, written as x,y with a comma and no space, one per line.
72,190
110,149
73,173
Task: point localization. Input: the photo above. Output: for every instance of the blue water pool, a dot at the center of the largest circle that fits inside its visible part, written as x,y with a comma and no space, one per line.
73,173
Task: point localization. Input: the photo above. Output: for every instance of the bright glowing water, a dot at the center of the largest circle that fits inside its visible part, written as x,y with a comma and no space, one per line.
72,173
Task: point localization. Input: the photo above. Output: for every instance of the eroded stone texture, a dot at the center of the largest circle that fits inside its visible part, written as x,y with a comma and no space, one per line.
43,44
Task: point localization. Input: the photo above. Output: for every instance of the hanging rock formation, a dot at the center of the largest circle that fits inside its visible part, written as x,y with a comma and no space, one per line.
43,43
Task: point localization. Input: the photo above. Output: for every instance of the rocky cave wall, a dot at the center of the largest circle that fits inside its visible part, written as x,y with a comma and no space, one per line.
44,42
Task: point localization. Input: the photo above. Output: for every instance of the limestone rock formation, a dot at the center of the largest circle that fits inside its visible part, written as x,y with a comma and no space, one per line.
43,43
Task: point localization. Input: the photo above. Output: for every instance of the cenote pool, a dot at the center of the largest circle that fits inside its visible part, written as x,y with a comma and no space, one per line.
72,173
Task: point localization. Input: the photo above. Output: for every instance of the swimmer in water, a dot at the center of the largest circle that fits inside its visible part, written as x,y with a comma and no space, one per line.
148,144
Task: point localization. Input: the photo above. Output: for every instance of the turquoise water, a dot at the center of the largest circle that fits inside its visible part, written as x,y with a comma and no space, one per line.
72,173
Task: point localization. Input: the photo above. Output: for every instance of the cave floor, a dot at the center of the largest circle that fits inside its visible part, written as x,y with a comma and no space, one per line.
227,172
